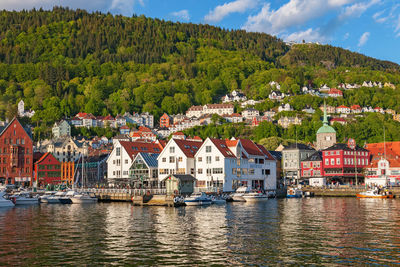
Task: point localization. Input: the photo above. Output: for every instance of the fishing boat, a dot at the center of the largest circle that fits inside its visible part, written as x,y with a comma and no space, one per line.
198,199
24,198
238,195
5,202
375,194
294,193
255,197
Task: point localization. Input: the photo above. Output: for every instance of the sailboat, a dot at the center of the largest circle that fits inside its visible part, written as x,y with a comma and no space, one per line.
81,197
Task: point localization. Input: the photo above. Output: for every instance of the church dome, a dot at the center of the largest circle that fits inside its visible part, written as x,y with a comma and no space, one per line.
326,129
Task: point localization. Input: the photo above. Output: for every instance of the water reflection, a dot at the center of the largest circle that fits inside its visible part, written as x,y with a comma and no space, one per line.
320,231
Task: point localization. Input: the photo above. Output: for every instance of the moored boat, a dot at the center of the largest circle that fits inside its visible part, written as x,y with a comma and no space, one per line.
255,197
218,200
4,203
198,199
375,194
24,198
44,198
82,198
238,195
294,193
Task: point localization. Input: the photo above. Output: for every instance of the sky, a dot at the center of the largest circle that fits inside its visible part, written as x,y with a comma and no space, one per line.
370,27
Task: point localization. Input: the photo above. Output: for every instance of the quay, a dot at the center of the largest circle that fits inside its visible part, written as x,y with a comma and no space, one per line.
343,191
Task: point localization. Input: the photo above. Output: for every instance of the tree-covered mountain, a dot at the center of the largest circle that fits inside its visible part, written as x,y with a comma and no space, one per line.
63,61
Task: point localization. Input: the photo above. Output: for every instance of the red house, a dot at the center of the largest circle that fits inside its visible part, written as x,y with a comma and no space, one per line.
311,167
165,121
341,162
47,170
333,92
16,154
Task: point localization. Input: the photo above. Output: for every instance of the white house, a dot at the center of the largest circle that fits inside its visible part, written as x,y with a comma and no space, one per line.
225,165
235,96
250,113
343,110
22,112
178,158
276,95
121,157
285,107
220,109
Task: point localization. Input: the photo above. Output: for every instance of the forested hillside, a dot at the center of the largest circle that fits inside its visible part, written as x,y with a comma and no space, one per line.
65,61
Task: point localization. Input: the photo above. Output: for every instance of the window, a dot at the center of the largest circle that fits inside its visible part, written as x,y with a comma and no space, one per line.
27,170
267,171
326,161
118,162
337,152
200,159
208,149
172,149
251,171
164,159
208,172
332,161
117,152
217,158
27,160
180,159
171,160
125,172
17,141
208,159
126,161
337,161
217,170
200,171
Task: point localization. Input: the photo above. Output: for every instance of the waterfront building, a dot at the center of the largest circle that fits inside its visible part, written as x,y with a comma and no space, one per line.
122,156
144,171
326,135
345,165
16,154
67,172
178,157
47,170
292,155
179,184
311,169
61,129
384,167
224,165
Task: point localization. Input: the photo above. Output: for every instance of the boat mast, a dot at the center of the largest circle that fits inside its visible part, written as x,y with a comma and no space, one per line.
384,153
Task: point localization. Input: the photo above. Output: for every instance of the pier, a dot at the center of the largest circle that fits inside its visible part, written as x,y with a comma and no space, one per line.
343,191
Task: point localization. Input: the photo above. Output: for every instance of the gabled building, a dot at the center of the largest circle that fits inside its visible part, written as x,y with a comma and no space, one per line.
285,107
144,171
343,109
250,113
285,122
220,109
225,165
356,109
165,121
47,170
326,135
276,95
333,92
178,158
235,96
122,156
16,154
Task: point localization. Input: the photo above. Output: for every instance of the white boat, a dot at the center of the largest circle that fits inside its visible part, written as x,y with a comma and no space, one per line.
238,195
55,199
44,198
24,198
255,197
218,200
5,202
198,199
81,197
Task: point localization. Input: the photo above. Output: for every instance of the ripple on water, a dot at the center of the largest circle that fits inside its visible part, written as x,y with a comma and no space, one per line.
318,231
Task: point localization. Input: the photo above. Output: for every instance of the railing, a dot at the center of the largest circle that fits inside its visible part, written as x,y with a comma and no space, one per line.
135,192
208,189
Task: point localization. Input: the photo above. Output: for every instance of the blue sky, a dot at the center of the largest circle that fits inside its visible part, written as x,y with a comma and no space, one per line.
371,27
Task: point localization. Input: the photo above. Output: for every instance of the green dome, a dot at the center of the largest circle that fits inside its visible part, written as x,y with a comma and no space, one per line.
326,129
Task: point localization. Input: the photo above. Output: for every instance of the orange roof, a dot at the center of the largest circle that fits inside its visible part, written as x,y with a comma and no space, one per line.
223,147
133,148
189,148
377,150
342,106
355,107
178,133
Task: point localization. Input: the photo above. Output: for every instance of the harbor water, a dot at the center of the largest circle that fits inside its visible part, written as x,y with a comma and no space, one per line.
318,231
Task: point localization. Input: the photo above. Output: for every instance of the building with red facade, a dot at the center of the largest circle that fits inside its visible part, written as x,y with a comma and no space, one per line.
47,170
16,154
311,169
345,165
165,121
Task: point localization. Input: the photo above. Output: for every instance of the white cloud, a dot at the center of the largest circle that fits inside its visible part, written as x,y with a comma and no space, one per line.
363,39
293,13
377,17
346,36
125,7
309,35
221,11
397,25
182,15
357,9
